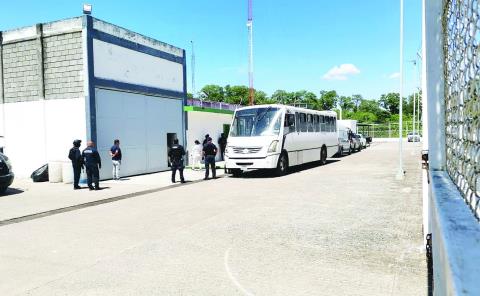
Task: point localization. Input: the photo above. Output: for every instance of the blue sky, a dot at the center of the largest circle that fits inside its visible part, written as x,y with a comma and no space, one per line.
296,43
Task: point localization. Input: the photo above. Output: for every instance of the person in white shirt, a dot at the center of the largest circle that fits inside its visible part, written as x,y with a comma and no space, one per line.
196,155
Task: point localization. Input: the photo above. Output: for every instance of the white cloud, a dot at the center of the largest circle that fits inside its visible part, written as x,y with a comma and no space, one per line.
394,75
341,72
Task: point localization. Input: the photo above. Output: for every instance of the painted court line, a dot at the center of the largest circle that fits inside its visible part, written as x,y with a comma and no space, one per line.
232,278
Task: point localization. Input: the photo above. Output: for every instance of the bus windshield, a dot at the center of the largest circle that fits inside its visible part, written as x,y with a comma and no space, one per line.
256,122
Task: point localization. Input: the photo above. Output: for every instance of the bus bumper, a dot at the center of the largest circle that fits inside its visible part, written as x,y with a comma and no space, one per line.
245,164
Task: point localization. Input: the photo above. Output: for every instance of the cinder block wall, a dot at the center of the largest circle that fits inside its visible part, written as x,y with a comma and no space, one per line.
21,71
63,66
48,67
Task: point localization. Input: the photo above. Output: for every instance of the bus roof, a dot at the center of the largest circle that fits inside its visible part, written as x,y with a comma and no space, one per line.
291,108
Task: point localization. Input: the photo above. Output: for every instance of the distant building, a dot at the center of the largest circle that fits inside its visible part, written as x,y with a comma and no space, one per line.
87,79
203,117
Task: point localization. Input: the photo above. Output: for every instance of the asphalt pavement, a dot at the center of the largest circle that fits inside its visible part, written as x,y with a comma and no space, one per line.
345,228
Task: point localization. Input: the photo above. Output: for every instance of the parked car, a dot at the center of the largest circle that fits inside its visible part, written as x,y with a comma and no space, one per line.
413,137
363,140
356,143
6,173
343,143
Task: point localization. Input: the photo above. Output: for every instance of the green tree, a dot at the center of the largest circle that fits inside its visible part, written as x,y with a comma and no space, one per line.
236,94
212,92
345,103
364,117
189,95
372,106
282,97
327,100
357,100
390,102
261,98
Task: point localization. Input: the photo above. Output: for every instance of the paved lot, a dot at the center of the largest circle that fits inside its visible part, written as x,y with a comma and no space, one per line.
25,198
347,228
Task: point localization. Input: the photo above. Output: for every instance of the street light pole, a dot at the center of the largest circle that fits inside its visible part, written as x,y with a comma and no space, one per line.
400,173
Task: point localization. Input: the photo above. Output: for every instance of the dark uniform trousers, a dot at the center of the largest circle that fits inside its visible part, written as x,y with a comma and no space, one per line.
93,175
177,165
77,169
210,161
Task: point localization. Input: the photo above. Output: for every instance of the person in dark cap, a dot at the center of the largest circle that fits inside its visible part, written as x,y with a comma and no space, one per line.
176,154
77,162
206,139
209,152
92,163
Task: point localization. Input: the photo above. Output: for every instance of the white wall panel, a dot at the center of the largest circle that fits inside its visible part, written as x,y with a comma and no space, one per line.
141,123
202,123
121,64
39,132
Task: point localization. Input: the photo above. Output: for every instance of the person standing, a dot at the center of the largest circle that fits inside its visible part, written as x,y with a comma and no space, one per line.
77,162
176,154
116,154
93,163
210,151
196,155
206,139
222,142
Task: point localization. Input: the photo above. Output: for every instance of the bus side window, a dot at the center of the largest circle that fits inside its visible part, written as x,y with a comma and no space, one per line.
334,124
289,123
303,122
329,123
297,121
316,123
310,127
322,123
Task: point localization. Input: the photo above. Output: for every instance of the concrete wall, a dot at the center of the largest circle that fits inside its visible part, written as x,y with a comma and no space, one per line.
136,67
202,123
43,108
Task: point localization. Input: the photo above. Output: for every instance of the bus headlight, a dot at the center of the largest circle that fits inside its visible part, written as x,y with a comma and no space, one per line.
273,146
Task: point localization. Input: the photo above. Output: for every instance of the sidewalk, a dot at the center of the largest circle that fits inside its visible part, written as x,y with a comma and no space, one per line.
25,198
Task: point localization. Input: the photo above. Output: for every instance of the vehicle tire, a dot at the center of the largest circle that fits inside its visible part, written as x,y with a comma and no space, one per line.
323,156
341,151
350,150
236,172
282,165
3,189
360,147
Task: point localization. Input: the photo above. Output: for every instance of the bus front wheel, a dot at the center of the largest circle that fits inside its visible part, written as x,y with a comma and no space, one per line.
282,165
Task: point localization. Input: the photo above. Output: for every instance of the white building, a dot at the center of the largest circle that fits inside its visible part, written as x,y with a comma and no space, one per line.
207,118
87,79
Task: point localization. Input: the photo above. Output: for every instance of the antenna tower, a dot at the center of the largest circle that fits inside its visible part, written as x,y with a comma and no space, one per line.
250,54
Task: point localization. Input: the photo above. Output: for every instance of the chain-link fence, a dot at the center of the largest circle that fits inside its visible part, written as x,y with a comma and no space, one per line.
388,130
461,29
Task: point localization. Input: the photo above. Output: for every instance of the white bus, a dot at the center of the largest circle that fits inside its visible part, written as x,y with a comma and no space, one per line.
279,136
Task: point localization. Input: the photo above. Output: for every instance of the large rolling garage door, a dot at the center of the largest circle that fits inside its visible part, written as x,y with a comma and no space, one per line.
142,124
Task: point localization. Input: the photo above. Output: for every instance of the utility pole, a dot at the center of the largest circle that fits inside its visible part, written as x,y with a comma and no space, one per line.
193,70
250,54
400,173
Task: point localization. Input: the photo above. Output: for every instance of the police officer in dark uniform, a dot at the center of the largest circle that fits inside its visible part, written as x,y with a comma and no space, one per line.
209,152
175,154
93,163
77,162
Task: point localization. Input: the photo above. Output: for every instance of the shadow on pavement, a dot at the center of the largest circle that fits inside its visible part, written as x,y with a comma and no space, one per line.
292,170
11,191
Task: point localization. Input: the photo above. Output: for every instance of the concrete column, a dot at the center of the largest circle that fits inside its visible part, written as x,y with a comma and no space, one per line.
1,68
433,84
39,49
433,103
